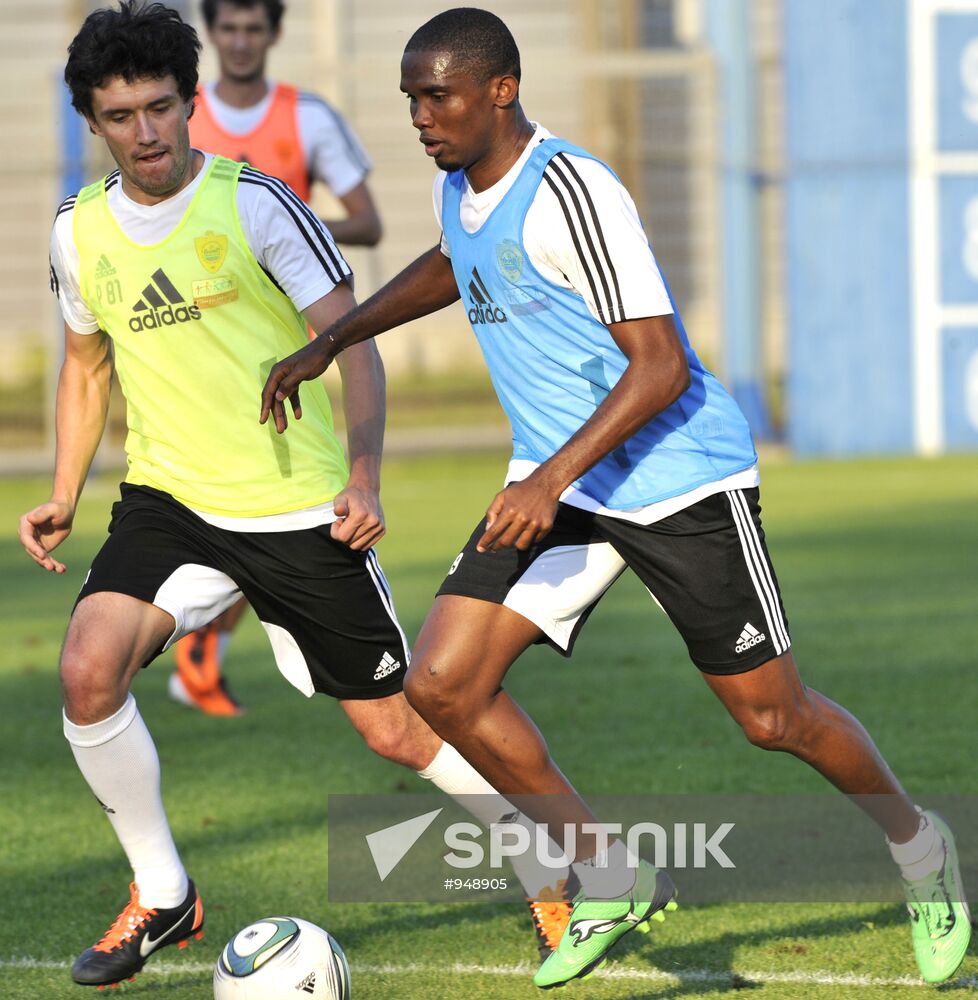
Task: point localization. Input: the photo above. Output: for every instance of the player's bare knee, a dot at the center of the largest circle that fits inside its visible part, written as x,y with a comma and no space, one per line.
421,684
768,728
88,695
389,741
79,672
92,688
403,738
421,692
432,694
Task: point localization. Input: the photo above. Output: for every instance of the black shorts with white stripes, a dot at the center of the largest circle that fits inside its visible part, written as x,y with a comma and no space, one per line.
326,609
706,566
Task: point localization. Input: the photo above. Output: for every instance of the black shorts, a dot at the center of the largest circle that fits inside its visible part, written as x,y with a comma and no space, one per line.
706,566
327,610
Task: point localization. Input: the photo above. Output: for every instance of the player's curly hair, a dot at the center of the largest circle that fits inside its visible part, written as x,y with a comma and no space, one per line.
137,41
274,8
478,38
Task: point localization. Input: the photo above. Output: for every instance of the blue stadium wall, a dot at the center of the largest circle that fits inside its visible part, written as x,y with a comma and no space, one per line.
881,130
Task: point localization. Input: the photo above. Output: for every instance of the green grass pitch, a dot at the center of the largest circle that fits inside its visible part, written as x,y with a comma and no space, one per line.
877,563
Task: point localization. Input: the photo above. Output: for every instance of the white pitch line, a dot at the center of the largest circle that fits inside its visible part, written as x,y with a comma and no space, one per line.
677,977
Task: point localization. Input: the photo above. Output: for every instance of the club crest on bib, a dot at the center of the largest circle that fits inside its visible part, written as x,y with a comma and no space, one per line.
509,257
211,251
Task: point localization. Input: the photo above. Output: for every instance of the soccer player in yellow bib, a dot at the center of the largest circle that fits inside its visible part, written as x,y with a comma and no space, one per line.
198,273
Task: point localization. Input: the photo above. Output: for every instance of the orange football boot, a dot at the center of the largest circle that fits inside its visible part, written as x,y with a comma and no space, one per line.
197,681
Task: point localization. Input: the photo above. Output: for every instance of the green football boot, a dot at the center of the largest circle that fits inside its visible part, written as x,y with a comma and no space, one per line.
939,917
595,926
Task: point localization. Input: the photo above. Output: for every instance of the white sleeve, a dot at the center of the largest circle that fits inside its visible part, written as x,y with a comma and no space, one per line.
583,233
437,190
64,264
289,242
333,152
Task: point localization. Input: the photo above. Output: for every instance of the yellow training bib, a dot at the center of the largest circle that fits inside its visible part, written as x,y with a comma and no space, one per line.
196,325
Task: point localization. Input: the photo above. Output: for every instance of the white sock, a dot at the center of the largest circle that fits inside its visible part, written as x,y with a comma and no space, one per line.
609,874
456,777
223,638
118,760
922,855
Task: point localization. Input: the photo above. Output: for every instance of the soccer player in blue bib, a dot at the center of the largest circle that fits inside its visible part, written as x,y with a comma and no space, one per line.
627,453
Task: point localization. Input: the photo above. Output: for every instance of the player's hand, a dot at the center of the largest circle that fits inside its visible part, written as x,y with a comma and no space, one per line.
359,518
44,528
284,378
519,515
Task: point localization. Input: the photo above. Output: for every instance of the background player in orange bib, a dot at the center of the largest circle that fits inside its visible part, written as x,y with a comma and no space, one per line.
283,131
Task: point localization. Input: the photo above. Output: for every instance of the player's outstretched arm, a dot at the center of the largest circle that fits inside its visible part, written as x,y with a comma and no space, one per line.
421,288
657,374
81,409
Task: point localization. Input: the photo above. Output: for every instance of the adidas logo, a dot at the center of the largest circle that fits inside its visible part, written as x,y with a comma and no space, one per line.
308,985
155,308
484,310
103,269
749,637
386,667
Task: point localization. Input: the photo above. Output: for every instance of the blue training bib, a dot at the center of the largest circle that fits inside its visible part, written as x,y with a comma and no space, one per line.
552,363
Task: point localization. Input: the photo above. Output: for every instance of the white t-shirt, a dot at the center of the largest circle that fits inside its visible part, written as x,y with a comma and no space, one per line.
287,239
552,248
333,153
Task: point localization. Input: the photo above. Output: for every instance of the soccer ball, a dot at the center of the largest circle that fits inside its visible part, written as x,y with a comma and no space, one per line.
282,957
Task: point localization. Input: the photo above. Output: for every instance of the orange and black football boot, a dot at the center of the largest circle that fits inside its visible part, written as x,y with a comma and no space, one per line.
137,933
198,682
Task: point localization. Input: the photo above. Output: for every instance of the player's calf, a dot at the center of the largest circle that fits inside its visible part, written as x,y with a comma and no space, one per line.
393,730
